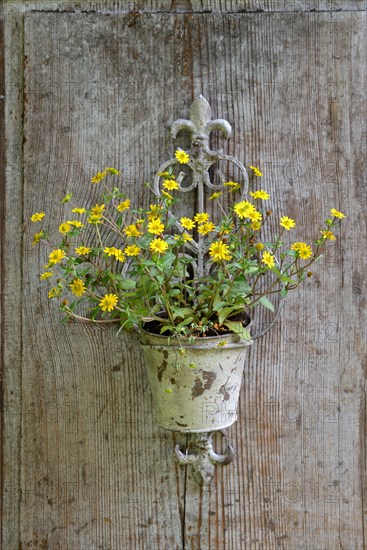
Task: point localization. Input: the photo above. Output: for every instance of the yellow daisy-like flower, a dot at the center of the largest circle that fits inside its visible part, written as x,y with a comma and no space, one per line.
158,245
81,250
98,209
206,228
256,171
233,185
337,214
263,195
37,237
187,223
64,228
268,259
181,156
219,251
56,256
132,250
76,223
304,250
254,215
287,223
186,237
110,251
201,218
46,275
79,210
215,195
132,231
77,287
108,302
243,209
37,217
255,226
154,212
113,171
170,185
55,291
99,176
124,205
94,219
155,227
167,195
328,235
119,255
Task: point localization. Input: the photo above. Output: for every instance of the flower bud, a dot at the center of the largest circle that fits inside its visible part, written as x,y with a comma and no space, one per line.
269,212
309,273
259,246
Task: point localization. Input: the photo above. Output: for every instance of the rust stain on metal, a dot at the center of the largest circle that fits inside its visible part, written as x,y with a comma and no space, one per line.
163,366
201,385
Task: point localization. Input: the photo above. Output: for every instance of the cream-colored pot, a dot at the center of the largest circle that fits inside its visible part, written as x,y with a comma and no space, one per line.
195,387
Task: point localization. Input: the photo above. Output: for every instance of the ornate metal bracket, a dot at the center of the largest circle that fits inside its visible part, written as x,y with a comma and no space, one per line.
204,458
202,158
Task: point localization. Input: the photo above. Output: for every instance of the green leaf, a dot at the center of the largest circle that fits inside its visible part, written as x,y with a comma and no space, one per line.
266,303
127,284
181,312
238,328
225,312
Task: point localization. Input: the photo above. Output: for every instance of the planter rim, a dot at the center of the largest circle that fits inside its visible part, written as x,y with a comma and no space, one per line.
158,341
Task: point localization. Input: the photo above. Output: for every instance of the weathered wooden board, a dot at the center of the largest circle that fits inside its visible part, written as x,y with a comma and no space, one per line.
196,6
92,468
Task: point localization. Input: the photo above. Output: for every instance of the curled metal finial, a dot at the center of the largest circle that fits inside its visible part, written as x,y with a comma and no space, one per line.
201,125
204,458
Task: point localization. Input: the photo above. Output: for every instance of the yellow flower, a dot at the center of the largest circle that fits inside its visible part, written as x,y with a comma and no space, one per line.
201,218
124,205
219,251
287,223
37,217
78,210
181,156
64,228
254,215
206,228
55,291
110,251
268,259
215,195
304,251
165,175
234,186
328,235
167,195
113,171
155,226
256,171
108,302
155,211
170,185
77,287
255,226
46,275
186,237
337,214
75,223
98,209
187,223
95,218
83,250
99,176
132,250
259,246
37,237
158,245
116,252
260,195
132,231
56,256
243,209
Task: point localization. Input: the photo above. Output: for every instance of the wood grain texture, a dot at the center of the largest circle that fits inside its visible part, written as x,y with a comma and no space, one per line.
181,6
96,472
